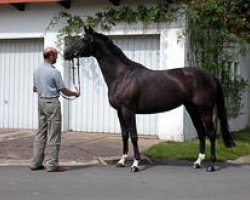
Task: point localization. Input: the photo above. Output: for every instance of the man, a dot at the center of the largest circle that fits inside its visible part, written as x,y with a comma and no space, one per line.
48,84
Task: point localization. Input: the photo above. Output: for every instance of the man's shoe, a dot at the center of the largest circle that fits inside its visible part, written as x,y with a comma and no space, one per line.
57,169
41,167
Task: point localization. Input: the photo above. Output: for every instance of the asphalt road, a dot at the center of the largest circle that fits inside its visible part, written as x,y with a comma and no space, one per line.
171,181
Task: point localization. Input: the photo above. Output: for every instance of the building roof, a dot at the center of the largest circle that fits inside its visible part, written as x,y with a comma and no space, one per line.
20,4
28,1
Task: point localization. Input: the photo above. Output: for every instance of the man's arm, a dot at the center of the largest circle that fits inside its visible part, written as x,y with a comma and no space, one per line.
69,93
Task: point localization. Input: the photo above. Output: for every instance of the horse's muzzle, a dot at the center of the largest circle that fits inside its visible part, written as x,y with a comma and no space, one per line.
70,55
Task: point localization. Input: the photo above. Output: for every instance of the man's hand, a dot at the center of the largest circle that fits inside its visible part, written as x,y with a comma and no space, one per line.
69,93
34,89
77,94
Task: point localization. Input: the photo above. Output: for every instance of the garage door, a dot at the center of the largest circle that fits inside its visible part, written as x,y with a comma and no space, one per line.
92,112
18,58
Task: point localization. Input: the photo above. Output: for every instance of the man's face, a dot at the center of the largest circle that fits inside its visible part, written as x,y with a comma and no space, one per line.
53,57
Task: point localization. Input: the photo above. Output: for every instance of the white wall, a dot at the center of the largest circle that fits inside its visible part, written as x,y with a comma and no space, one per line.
170,124
18,59
243,121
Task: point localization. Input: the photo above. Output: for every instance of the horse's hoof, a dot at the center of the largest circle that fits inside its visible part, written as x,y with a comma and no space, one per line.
197,166
135,169
210,169
120,165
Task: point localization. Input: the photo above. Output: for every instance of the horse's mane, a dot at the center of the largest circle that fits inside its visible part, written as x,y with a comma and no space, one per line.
119,53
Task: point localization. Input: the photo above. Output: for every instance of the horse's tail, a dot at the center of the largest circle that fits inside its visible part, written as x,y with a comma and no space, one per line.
221,110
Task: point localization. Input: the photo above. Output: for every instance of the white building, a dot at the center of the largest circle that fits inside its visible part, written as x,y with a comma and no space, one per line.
23,37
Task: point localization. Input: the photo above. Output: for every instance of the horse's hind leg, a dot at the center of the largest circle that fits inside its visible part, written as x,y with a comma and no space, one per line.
200,129
130,123
211,134
125,135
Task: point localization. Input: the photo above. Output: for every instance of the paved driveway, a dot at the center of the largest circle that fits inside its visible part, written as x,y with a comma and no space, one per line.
173,181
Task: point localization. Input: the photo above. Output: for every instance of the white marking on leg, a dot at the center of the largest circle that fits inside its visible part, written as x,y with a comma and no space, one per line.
123,159
135,164
201,157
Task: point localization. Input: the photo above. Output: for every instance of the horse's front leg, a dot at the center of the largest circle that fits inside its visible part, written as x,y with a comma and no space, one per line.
125,135
130,122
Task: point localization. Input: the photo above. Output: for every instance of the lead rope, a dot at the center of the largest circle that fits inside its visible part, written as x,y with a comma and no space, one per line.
78,76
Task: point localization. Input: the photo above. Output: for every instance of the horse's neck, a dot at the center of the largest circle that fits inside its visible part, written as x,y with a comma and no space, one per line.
111,67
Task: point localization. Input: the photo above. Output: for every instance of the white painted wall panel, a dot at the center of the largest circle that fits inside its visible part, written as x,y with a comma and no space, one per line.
92,112
18,104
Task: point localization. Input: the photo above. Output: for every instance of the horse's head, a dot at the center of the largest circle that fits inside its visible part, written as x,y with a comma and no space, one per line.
82,47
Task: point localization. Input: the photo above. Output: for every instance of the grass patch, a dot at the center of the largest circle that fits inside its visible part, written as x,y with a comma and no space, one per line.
189,150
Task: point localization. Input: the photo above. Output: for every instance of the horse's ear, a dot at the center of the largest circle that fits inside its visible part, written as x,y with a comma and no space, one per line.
86,30
91,30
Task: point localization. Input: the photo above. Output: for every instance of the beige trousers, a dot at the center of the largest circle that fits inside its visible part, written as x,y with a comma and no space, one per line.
49,132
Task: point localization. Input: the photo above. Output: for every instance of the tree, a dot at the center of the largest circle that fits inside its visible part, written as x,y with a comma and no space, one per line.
218,34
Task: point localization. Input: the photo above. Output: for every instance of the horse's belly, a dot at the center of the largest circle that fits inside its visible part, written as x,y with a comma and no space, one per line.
158,107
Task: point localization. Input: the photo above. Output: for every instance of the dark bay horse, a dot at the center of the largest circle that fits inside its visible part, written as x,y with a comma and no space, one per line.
134,89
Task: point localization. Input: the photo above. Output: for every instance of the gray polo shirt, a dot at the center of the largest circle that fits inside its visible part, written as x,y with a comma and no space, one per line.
48,81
